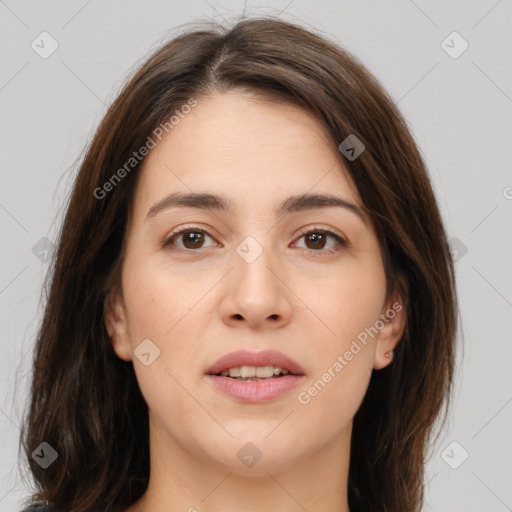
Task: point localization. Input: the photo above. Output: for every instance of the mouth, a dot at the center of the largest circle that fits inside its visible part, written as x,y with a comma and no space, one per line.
254,373
246,365
255,376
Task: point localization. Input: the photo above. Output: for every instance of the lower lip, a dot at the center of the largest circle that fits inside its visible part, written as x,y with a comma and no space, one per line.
258,391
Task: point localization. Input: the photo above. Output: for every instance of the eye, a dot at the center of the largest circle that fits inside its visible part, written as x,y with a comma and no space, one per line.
191,237
316,241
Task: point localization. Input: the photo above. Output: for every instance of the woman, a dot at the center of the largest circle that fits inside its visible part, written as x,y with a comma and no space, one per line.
252,305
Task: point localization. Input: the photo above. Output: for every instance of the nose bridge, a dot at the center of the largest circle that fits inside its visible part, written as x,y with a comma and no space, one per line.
254,290
253,260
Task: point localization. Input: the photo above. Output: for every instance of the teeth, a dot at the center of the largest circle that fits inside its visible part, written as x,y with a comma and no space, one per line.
234,372
265,372
247,371
261,372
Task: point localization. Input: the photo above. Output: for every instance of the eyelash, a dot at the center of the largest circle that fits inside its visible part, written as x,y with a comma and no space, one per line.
314,229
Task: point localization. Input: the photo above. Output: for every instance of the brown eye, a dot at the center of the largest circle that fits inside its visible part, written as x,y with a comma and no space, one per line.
316,240
193,239
190,239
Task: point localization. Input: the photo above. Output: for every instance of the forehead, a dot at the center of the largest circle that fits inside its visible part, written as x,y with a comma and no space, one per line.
255,152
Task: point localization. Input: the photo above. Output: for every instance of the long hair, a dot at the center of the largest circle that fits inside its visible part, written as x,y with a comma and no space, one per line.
85,402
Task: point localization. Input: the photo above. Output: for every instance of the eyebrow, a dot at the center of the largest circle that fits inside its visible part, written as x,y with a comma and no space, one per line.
292,204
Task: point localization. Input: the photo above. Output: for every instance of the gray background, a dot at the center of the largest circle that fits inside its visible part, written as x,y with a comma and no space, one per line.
459,110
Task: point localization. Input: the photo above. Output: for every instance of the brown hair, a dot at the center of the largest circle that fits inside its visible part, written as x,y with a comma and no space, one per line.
85,401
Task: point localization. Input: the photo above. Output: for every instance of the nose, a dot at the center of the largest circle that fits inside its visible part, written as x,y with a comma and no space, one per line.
256,294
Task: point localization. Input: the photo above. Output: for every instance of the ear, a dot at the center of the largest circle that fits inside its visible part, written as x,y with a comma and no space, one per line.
394,318
115,322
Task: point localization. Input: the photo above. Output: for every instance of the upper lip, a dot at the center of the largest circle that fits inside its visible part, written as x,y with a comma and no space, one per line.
262,358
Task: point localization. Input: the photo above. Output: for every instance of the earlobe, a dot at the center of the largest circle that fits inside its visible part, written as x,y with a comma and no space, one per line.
394,321
115,324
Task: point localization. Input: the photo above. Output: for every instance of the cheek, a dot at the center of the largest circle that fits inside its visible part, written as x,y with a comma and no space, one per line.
157,298
331,400
162,306
347,301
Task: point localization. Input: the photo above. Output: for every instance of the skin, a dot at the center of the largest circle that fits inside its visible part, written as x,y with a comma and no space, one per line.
198,305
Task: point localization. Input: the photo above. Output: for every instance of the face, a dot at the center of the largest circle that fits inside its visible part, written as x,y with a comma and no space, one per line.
263,273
